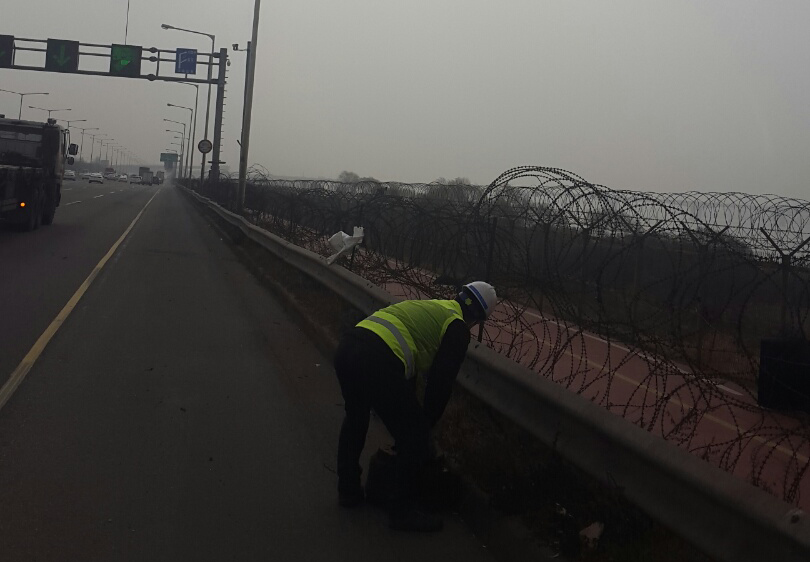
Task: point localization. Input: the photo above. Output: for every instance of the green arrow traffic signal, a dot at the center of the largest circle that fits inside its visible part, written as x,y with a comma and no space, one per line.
125,60
62,56
6,50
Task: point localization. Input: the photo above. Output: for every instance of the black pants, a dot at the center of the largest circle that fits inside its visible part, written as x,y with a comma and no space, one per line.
372,376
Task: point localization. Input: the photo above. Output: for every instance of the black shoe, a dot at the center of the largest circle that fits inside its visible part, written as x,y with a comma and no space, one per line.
351,497
415,521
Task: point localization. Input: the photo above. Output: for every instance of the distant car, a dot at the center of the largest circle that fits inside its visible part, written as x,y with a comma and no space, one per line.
123,178
95,178
85,175
135,179
70,175
110,177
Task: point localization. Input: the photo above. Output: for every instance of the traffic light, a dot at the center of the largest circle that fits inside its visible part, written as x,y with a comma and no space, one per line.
6,51
62,56
125,60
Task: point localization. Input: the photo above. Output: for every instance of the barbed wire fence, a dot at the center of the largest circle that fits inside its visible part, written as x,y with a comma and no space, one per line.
652,305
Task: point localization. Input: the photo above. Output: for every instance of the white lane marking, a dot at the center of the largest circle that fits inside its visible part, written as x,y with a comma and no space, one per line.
71,203
97,196
31,357
66,188
111,192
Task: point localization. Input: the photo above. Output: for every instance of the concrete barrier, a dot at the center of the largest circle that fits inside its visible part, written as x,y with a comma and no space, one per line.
723,516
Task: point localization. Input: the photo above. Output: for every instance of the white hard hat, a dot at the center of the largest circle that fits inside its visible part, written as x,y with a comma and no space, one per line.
484,294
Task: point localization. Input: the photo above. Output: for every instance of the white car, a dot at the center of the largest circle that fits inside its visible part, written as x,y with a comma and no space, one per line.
85,175
123,178
70,175
135,179
96,178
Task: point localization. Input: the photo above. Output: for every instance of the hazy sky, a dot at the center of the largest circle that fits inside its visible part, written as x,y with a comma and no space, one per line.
634,94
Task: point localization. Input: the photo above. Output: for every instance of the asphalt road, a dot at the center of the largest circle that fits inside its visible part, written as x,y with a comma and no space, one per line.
179,413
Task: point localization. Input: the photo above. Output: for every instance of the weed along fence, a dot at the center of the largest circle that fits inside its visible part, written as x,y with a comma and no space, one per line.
647,307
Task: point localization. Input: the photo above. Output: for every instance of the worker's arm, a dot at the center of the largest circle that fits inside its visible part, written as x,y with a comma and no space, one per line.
444,369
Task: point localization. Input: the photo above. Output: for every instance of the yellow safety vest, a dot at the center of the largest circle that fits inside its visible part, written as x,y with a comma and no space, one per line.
414,330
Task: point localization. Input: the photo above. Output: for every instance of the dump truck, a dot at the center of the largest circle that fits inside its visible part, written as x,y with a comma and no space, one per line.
32,165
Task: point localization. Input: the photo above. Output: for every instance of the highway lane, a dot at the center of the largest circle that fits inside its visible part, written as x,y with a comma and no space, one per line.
181,414
40,270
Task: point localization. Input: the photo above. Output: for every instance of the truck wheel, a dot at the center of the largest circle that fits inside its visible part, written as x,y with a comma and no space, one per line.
49,205
33,216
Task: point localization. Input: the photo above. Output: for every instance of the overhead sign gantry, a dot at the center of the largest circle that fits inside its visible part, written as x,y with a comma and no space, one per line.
126,61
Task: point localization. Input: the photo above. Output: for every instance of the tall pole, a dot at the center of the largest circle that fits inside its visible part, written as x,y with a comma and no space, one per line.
184,165
208,104
223,57
22,96
126,30
188,143
246,113
81,148
182,154
194,131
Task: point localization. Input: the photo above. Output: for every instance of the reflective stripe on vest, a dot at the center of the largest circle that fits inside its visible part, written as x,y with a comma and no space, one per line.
406,350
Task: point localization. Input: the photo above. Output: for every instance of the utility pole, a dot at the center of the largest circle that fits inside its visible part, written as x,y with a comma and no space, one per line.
248,108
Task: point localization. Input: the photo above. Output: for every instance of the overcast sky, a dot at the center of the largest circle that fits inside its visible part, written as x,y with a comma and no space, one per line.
635,94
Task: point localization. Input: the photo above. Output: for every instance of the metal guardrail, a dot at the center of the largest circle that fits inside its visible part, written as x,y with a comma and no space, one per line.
721,515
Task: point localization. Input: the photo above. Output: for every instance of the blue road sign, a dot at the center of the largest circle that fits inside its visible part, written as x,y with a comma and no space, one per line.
186,61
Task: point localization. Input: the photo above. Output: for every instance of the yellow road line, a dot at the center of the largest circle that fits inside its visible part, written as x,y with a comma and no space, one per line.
31,357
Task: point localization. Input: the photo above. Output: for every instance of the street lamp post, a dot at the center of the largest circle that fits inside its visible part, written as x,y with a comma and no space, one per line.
182,166
182,149
81,146
22,95
193,127
106,153
179,154
48,110
190,119
93,144
69,121
210,69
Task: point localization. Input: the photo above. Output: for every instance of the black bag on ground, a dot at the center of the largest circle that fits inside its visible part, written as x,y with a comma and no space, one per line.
438,488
